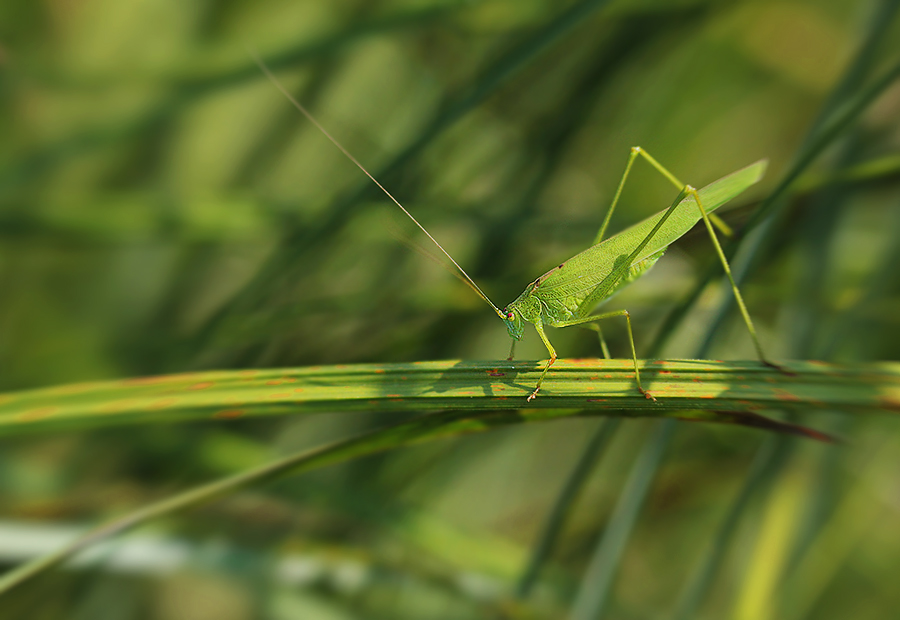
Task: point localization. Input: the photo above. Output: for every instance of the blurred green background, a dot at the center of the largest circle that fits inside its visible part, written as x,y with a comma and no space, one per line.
164,209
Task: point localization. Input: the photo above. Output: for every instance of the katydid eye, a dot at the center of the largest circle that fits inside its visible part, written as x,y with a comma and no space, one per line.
509,315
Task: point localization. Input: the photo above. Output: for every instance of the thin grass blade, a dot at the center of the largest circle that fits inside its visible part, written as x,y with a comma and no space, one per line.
593,595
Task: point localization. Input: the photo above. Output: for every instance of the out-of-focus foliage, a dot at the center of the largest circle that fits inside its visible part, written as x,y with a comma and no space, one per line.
164,209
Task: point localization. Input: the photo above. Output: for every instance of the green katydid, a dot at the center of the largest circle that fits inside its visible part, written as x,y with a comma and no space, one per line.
565,295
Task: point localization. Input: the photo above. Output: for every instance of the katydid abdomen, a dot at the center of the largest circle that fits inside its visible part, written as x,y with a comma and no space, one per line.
575,287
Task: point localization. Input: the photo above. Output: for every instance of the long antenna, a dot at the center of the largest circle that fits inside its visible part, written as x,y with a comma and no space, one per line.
265,69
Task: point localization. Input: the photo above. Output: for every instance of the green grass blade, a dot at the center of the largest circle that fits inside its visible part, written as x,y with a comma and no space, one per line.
597,581
838,113
299,243
419,429
825,135
689,389
765,468
852,518
561,508
188,89
730,387
872,387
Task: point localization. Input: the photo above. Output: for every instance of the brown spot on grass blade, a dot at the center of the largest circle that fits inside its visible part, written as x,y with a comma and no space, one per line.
228,414
888,403
203,385
785,395
164,403
750,405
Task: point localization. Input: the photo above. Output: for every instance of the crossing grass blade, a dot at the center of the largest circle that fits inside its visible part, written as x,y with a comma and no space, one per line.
593,596
186,88
419,429
734,389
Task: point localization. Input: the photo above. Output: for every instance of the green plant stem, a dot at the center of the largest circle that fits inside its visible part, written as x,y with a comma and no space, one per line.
598,578
305,242
772,205
766,465
563,505
369,443
187,89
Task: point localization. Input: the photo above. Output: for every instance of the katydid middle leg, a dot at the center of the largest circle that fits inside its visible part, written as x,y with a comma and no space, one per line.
582,321
604,348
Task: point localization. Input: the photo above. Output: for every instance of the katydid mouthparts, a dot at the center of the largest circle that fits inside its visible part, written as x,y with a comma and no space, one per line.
566,295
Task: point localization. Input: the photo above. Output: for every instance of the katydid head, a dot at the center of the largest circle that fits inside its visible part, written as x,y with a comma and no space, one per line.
514,323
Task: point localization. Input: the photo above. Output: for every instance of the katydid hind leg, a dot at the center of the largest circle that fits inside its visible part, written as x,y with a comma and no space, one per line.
745,314
710,226
635,151
632,156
